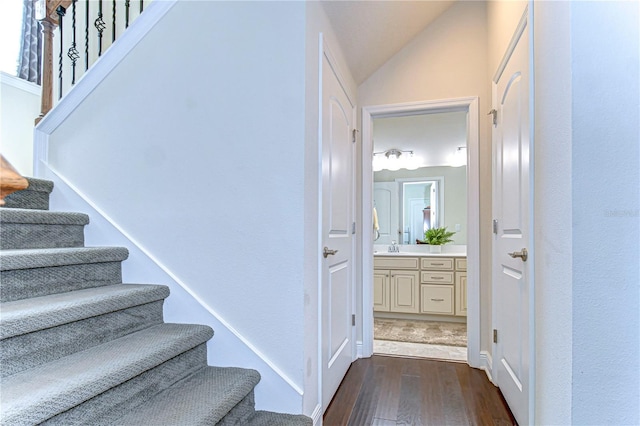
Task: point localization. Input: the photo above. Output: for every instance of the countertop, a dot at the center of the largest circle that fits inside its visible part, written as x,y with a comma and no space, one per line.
421,250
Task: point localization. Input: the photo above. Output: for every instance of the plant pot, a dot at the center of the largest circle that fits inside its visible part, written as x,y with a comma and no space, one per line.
435,249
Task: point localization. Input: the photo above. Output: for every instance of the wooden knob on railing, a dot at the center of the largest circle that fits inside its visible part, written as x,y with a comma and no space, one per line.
10,180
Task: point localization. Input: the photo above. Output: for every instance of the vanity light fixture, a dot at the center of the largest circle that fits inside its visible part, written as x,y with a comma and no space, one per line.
394,159
459,157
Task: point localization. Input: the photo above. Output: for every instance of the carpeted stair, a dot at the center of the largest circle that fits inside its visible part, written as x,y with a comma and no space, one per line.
77,346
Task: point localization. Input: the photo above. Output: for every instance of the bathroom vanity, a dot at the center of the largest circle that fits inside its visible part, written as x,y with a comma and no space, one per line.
423,284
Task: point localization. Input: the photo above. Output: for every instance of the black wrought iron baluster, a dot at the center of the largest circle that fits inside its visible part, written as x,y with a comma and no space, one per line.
100,26
141,5
60,11
73,53
113,23
126,13
86,35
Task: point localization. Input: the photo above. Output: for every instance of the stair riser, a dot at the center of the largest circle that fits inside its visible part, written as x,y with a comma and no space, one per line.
25,283
27,199
110,405
30,350
35,236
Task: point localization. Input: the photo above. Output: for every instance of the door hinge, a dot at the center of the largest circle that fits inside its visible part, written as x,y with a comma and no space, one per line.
495,226
353,228
495,336
354,135
494,113
353,319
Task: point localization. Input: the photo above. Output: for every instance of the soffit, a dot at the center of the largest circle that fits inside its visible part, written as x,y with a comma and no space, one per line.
371,32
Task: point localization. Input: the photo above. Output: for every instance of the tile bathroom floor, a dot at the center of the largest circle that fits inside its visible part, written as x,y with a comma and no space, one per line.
422,350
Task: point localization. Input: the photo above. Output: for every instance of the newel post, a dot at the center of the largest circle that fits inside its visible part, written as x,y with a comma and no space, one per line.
48,23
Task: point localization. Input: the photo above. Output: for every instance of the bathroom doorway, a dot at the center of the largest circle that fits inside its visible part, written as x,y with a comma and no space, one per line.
421,303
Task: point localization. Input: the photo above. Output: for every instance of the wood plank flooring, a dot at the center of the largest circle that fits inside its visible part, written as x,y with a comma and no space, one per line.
384,391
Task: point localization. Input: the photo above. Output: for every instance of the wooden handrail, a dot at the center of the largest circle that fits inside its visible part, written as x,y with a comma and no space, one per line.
10,180
46,14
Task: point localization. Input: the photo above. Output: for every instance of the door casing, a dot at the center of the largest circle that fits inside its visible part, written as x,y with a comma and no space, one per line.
369,113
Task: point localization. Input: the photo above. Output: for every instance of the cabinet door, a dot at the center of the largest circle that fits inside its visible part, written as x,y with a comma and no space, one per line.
461,293
381,291
405,291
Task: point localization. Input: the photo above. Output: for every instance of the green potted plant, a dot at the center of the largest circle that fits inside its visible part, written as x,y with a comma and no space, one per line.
437,237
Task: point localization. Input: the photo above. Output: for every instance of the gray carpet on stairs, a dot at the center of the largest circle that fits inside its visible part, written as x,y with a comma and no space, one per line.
79,347
203,398
57,271
24,229
36,196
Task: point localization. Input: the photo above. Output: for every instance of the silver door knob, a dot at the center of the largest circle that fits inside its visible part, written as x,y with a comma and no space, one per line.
326,252
521,254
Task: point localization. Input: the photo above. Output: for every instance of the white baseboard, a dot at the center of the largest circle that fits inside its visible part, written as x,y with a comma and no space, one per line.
20,83
486,363
316,416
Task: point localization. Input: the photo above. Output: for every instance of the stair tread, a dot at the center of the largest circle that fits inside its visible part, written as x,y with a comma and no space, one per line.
38,313
16,215
40,258
41,185
202,398
34,395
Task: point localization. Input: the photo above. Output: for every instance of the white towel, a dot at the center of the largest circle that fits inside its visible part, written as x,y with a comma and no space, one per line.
375,220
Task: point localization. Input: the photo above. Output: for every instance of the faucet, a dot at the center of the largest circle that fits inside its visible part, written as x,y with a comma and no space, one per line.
394,248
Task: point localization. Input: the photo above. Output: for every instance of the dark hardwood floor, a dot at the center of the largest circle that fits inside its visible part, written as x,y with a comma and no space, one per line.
384,390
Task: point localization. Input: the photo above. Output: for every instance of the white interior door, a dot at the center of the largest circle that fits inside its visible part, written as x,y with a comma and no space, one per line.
512,184
337,238
385,200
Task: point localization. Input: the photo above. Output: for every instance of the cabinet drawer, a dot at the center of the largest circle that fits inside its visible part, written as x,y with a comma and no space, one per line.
437,299
392,262
436,277
443,263
461,264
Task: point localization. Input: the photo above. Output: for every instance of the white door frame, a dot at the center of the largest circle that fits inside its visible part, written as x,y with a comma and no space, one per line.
369,113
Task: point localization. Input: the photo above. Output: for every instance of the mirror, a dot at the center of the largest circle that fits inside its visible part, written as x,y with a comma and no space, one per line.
408,202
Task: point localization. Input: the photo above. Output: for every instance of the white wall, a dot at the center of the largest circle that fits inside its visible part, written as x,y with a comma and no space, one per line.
317,22
587,180
605,46
19,107
196,152
447,60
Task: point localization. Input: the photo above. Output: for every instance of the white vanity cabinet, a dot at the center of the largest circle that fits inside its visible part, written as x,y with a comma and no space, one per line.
436,285
433,285
461,287
396,285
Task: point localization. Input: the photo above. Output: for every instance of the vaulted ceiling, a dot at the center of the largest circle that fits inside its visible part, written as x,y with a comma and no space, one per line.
371,32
